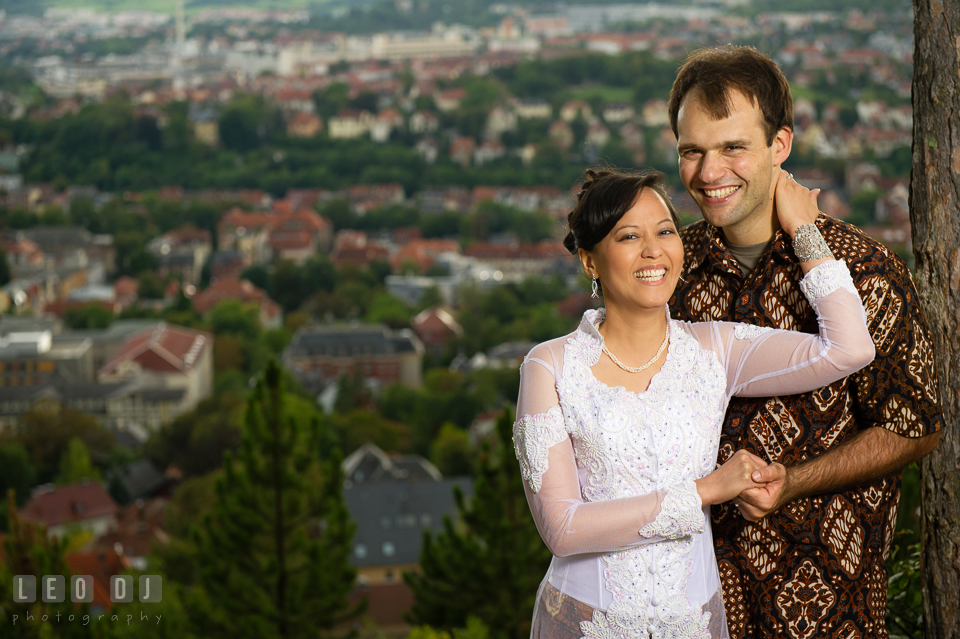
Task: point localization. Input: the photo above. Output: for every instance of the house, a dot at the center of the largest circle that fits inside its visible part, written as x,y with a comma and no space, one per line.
304,125
82,506
394,500
436,328
101,565
572,109
422,252
617,112
176,358
349,124
354,247
597,134
367,197
531,109
320,355
231,288
246,232
655,113
489,151
182,253
561,135
461,150
33,358
297,234
384,124
139,527
449,100
424,122
500,120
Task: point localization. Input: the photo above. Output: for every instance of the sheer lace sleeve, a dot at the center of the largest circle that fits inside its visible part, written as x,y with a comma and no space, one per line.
568,524
764,361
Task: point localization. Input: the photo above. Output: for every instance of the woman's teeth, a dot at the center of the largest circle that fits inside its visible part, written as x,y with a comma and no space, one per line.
720,192
651,276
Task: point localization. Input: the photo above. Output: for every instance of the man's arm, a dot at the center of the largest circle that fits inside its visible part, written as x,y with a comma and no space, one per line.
870,454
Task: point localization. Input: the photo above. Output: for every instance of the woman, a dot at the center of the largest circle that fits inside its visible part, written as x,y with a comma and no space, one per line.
618,422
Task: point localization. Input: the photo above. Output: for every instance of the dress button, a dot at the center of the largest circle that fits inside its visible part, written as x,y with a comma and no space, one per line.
655,601
651,629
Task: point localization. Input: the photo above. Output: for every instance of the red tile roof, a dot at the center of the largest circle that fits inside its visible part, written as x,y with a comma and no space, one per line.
166,349
71,503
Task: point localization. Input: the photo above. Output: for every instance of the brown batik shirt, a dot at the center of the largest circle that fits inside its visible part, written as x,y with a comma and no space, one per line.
817,566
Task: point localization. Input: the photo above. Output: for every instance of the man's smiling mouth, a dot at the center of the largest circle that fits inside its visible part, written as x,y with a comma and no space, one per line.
724,192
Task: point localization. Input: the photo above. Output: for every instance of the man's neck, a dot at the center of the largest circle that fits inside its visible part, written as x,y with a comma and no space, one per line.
752,231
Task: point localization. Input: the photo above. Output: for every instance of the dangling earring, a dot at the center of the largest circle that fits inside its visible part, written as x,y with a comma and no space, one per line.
681,279
594,288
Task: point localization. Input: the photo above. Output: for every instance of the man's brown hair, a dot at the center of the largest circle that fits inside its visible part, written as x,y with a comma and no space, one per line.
709,75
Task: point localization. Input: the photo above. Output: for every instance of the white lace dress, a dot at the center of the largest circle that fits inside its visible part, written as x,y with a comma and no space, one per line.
609,474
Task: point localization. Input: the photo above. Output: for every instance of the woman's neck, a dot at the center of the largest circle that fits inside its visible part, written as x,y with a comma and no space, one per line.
634,333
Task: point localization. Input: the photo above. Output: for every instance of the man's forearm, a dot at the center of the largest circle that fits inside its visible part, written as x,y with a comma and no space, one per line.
873,453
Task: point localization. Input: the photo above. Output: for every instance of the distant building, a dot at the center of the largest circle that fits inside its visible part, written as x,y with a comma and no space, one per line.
35,358
227,288
179,359
320,355
83,506
182,253
437,328
393,500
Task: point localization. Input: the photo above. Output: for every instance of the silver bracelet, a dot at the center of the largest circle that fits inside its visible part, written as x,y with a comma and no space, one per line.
808,244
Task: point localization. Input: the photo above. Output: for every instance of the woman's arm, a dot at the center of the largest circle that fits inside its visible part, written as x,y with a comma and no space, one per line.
570,525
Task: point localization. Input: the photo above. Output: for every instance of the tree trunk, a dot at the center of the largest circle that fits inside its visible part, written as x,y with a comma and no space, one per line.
935,217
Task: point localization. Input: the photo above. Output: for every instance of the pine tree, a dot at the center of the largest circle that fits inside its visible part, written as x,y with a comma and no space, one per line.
489,564
274,553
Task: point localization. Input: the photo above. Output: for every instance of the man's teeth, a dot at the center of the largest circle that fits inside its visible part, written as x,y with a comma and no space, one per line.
720,192
651,276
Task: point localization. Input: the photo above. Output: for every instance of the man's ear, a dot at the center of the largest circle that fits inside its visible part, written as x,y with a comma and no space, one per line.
782,145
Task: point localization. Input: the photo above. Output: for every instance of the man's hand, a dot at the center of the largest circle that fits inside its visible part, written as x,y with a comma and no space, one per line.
757,503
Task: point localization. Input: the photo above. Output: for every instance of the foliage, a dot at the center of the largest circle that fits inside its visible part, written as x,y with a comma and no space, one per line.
904,592
490,566
75,464
451,451
275,547
195,442
45,433
16,474
28,551
88,316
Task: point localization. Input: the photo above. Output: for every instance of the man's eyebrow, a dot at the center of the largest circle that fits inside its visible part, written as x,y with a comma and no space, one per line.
689,146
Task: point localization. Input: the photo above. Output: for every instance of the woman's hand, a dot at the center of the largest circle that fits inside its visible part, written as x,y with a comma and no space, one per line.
794,203
731,479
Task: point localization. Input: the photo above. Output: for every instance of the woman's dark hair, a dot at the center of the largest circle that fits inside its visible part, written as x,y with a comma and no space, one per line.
606,196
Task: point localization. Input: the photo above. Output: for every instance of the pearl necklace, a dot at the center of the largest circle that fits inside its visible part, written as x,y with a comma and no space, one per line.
638,369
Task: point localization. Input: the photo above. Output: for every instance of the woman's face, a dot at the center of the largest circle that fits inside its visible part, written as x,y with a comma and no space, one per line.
639,261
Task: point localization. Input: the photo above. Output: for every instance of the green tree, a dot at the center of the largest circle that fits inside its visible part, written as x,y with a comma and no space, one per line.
28,551
490,566
4,268
45,433
91,315
275,549
16,474
451,451
75,464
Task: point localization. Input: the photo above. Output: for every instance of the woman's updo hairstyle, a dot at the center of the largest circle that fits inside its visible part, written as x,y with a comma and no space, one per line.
606,196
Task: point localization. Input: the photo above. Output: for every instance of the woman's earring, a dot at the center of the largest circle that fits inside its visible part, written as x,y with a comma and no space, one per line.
681,279
594,288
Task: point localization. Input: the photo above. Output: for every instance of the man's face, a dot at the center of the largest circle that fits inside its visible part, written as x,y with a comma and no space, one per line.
728,167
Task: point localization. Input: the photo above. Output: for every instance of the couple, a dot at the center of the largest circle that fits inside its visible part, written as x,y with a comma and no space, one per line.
621,422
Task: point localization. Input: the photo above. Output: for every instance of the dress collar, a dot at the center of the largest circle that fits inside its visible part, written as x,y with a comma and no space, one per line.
590,324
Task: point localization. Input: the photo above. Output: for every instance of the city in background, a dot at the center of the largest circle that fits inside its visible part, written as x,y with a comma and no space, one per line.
347,214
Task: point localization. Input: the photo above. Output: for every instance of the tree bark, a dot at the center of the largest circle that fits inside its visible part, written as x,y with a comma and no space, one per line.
935,218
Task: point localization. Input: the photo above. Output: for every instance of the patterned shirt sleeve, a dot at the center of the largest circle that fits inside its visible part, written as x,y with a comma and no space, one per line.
899,390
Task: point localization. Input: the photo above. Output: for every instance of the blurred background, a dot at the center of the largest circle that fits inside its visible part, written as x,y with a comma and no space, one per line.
268,269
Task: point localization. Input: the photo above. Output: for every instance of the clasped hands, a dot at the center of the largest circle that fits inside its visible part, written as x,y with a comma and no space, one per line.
756,487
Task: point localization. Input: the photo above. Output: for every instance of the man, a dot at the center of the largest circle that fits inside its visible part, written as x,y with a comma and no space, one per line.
806,556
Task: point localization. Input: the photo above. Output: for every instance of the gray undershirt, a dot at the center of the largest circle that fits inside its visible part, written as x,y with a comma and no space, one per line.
748,256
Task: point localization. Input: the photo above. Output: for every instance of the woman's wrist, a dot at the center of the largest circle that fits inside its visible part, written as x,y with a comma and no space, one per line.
809,245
